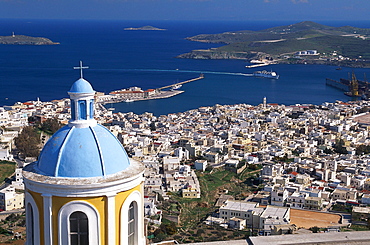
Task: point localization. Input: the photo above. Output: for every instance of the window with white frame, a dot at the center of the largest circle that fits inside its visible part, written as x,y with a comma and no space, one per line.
78,224
32,221
79,228
30,224
132,210
132,228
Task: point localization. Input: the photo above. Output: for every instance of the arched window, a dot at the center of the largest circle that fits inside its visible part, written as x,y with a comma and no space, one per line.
132,220
78,224
82,115
91,109
32,221
30,224
73,110
132,227
79,228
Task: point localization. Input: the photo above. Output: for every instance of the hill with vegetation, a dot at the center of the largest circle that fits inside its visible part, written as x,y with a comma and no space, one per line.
347,45
25,40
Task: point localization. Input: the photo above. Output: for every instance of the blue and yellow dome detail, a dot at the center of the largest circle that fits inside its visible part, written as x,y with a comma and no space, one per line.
83,148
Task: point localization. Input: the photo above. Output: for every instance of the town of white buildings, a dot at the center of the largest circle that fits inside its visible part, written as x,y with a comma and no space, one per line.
224,136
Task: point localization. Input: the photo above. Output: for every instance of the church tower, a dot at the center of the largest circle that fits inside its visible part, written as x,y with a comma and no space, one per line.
84,189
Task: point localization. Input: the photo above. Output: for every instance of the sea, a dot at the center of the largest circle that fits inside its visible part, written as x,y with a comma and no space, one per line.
119,59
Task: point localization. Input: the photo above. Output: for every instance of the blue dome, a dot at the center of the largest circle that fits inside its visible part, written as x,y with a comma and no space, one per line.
81,86
82,153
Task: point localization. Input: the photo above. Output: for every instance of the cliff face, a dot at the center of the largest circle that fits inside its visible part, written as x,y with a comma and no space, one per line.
25,40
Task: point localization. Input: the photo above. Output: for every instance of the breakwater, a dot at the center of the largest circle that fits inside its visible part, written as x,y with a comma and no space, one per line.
181,83
344,86
136,94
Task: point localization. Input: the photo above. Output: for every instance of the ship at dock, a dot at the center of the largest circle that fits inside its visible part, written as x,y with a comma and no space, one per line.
266,74
352,87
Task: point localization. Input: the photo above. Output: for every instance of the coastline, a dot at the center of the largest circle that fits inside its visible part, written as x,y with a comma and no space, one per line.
160,95
215,54
25,79
25,40
136,94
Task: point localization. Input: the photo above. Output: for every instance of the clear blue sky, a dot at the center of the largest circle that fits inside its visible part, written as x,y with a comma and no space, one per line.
187,9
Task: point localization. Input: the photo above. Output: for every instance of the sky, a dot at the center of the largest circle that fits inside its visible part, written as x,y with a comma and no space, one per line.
233,10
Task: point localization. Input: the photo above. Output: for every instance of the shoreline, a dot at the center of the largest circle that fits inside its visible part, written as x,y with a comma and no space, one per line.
151,94
223,55
160,95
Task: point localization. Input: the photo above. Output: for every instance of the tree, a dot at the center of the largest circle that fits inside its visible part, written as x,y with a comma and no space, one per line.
328,151
50,126
339,147
315,229
152,126
362,149
28,142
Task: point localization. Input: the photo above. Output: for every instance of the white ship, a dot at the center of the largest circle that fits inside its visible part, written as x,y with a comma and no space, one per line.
266,74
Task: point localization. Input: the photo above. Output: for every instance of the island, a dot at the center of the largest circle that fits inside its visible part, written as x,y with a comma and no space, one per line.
301,43
144,28
25,40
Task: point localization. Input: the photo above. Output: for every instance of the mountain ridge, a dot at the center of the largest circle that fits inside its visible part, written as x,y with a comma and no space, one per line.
351,44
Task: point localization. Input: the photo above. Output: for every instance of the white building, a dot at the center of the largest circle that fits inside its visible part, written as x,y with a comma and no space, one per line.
10,199
200,165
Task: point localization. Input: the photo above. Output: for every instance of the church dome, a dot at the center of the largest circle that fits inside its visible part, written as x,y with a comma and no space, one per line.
83,148
81,86
82,153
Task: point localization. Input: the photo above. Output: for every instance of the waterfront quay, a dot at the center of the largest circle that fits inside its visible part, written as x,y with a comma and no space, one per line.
136,93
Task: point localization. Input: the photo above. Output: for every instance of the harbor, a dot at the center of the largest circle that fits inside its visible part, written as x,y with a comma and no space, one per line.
352,87
133,94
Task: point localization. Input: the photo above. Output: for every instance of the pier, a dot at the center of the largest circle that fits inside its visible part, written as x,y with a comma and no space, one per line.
181,83
150,94
257,65
352,87
344,86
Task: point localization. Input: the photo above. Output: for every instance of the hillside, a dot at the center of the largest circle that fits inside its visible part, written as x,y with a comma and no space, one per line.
333,44
25,40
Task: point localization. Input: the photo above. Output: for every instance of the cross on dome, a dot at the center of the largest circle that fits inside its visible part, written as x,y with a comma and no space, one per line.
81,68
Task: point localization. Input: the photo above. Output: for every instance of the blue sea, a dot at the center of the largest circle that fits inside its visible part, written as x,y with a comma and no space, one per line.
120,59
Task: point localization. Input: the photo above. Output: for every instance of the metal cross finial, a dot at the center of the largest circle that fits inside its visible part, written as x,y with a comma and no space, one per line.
81,68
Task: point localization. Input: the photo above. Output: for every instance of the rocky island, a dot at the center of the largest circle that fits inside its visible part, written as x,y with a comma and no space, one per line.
301,43
25,40
144,28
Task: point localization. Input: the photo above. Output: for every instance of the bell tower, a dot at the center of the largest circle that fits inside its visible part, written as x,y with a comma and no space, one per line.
84,189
